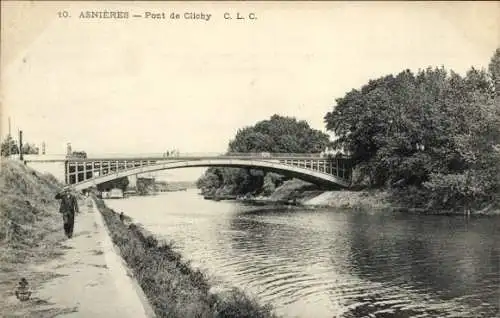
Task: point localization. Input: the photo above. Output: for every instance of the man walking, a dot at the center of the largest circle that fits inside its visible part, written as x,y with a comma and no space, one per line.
68,208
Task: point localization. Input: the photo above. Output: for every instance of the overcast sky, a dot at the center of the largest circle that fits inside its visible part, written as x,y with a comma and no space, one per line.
144,86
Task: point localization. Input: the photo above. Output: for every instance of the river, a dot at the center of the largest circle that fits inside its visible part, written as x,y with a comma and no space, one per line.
332,263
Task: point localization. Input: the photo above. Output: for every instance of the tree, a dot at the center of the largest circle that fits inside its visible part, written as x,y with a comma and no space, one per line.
30,149
494,70
271,181
9,146
434,130
145,185
279,134
208,182
475,143
79,154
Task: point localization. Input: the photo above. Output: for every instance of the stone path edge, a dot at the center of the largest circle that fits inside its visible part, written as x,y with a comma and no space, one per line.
112,251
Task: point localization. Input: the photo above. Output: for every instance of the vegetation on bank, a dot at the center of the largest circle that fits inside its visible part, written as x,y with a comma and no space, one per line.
10,146
30,233
172,287
277,135
432,139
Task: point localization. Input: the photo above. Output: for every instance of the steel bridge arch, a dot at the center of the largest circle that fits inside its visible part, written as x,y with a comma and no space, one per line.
305,174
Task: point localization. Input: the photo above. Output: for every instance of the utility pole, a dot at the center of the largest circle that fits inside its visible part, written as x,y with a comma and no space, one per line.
21,145
68,150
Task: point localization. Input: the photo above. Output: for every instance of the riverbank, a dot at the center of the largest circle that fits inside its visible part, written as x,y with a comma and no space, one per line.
300,193
172,287
80,277
29,234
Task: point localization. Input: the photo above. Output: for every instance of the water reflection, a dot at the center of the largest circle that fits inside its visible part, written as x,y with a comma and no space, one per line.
451,265
333,263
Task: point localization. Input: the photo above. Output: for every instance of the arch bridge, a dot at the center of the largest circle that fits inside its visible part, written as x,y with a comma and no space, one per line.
315,168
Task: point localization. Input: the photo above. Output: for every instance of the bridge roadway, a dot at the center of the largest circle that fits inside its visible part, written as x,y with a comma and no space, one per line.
87,172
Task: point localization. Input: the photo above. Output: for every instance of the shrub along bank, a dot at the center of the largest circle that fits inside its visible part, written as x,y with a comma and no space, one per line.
172,287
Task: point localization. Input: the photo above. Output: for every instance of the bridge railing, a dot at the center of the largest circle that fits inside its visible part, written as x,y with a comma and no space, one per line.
272,154
155,155
159,156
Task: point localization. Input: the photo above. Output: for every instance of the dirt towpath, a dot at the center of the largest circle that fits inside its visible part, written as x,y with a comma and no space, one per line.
92,280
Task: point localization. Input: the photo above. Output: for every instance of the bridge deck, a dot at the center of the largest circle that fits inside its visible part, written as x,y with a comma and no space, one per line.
95,170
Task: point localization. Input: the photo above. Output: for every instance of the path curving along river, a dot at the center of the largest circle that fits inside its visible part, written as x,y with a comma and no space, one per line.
331,263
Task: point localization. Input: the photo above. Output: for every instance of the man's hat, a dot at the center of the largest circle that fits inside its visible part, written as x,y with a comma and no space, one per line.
68,189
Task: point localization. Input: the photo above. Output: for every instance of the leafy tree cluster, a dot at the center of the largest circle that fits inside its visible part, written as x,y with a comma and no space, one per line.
279,134
435,132
10,146
79,154
145,185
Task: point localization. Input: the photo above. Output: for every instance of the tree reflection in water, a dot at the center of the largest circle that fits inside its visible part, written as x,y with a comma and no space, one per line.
379,265
335,263
451,265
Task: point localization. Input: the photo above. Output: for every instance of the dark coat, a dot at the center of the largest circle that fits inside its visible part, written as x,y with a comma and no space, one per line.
69,204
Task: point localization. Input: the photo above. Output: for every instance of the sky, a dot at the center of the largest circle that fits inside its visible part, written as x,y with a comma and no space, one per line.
146,86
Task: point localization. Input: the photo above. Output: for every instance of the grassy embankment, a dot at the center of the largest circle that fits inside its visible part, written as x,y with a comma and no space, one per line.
172,287
30,234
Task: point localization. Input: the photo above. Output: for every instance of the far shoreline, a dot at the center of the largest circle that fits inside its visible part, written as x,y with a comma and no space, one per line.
291,194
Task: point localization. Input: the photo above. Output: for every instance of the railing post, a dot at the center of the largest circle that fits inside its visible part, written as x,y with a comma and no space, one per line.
76,171
66,171
101,170
84,170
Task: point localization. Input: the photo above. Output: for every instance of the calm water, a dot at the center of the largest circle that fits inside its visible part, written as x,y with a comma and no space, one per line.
331,263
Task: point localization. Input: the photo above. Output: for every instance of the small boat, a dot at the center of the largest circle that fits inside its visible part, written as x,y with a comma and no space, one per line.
130,193
116,194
